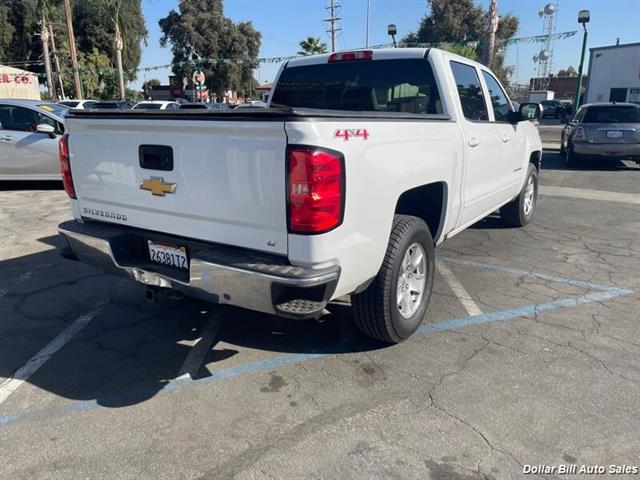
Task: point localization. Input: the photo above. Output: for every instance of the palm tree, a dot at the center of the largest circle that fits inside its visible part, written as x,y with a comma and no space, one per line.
312,46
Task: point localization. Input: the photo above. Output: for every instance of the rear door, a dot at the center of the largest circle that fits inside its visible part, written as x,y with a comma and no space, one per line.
482,144
218,181
512,137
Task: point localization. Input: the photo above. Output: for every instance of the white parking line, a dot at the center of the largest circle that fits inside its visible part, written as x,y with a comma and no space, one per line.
200,347
588,194
21,375
458,290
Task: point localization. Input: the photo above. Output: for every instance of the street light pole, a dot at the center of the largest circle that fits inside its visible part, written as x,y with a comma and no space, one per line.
583,18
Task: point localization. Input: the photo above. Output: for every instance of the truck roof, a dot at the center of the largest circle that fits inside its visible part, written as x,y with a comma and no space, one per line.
378,54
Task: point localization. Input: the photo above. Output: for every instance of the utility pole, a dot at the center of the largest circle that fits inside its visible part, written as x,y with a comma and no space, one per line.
56,60
72,50
490,42
333,8
119,45
44,35
366,39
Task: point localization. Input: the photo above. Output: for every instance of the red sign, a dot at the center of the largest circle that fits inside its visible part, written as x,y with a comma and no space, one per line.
15,78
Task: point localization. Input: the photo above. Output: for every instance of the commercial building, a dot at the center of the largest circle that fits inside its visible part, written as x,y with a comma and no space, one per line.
614,74
564,88
16,83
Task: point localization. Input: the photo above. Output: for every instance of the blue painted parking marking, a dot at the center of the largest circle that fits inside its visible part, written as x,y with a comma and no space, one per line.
598,293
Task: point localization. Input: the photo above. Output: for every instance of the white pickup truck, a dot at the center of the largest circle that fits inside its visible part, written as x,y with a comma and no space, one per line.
361,164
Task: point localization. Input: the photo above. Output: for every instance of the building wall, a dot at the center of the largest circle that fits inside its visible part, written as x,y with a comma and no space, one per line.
16,83
612,68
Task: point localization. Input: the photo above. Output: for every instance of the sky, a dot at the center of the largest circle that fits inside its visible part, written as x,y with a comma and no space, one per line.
284,23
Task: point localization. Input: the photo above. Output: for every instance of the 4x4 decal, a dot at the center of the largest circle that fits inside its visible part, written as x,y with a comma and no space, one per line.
347,133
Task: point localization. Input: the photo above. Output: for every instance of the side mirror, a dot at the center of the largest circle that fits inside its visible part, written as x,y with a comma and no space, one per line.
530,111
46,128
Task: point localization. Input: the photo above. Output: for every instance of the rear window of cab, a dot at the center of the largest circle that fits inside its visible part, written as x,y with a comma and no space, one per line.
399,85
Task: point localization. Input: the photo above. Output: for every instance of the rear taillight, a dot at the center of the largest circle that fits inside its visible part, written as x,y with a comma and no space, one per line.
578,134
351,56
65,166
316,189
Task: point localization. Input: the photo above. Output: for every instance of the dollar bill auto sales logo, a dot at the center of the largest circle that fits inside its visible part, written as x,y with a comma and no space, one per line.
348,133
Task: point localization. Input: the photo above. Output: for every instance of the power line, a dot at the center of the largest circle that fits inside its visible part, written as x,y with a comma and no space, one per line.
333,8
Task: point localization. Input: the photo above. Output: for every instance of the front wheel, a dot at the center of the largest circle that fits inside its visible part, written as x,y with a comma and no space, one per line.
519,212
392,308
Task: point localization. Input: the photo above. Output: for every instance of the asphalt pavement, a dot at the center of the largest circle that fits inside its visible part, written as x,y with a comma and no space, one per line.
529,355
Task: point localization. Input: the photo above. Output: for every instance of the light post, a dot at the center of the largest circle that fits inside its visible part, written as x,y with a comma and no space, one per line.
392,31
583,18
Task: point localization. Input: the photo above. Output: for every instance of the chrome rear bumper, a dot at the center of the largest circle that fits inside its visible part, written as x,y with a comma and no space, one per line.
219,274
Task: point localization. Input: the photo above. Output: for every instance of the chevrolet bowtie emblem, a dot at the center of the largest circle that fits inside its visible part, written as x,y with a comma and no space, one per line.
157,186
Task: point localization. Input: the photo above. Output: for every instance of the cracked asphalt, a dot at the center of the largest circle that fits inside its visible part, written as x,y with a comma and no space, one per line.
550,374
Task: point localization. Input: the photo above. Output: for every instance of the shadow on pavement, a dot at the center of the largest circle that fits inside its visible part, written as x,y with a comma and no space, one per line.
553,160
131,349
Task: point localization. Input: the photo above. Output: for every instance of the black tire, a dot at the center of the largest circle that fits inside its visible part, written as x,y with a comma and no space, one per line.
571,158
513,213
376,311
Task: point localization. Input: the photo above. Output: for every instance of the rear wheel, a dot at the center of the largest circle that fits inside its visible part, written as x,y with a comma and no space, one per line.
519,212
571,157
392,308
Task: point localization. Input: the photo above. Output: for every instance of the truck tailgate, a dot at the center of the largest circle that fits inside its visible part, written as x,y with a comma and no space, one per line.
226,183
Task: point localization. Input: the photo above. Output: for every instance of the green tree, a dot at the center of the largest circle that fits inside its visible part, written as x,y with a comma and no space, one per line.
569,72
95,73
6,33
17,40
94,27
93,22
147,87
458,23
201,27
312,46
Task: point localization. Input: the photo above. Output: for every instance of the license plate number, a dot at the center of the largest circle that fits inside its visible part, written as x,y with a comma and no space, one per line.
167,255
614,134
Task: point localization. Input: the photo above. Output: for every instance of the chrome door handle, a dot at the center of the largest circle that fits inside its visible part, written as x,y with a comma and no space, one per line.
8,138
473,142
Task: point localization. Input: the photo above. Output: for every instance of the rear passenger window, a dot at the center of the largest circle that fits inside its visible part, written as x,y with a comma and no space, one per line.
406,85
499,101
471,98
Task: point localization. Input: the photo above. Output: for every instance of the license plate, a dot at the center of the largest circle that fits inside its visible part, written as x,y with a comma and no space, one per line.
614,134
169,256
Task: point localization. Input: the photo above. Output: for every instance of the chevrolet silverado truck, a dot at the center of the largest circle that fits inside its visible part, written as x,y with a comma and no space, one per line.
362,163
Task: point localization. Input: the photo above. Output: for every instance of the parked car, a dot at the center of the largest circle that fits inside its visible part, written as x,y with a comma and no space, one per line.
114,105
79,104
156,105
552,108
198,106
253,104
363,162
602,130
567,108
29,134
